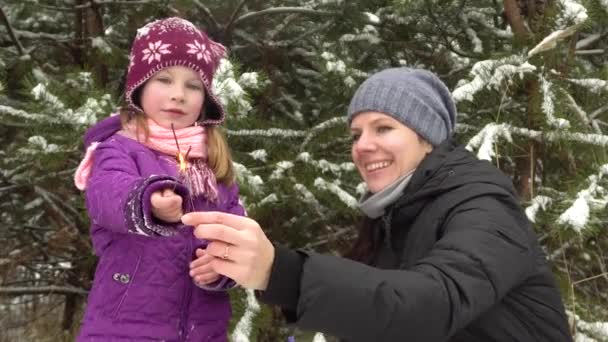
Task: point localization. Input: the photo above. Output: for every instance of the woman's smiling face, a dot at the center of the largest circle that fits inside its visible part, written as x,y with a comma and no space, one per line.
384,149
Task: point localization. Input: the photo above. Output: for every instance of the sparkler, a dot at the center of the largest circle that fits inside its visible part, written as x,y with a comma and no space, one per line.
182,160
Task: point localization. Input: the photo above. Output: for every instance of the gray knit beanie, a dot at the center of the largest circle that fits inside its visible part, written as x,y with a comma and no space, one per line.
415,97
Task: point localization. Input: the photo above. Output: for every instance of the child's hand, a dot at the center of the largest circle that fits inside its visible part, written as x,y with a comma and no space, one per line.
166,205
200,269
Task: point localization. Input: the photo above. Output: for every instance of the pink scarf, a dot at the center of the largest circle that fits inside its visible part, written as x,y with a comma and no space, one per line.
197,176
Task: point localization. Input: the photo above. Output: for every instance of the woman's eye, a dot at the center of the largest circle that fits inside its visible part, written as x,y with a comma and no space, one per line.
355,137
384,129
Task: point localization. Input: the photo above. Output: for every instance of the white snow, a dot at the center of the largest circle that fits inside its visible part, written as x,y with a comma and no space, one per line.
243,327
260,155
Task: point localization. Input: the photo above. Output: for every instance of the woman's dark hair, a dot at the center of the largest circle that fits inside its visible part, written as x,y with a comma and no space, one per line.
365,245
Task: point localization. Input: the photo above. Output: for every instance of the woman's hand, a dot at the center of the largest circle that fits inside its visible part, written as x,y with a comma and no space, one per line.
166,205
240,249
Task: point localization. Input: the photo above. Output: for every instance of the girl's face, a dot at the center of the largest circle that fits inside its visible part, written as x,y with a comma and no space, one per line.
173,95
384,149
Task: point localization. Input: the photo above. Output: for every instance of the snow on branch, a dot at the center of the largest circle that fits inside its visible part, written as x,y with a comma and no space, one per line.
316,130
21,114
577,215
477,44
548,106
334,188
309,198
319,337
588,138
326,166
593,84
571,18
585,118
550,41
572,12
587,41
268,133
486,138
245,176
491,74
482,19
282,166
538,202
598,330
228,89
85,115
244,326
38,144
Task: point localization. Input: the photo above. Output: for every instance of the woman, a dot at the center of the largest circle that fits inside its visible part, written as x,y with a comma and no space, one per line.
445,254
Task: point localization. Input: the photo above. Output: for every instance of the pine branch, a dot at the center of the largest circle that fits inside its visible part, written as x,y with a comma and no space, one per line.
45,290
321,127
42,35
590,52
11,33
47,196
210,18
233,18
92,3
598,111
328,238
479,19
585,42
281,10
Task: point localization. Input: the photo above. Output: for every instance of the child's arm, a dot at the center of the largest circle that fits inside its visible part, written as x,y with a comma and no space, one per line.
118,197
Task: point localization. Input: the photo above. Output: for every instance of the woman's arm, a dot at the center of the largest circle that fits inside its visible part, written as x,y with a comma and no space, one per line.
483,254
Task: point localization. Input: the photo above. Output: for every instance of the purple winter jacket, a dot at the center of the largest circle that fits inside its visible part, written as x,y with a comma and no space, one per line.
142,290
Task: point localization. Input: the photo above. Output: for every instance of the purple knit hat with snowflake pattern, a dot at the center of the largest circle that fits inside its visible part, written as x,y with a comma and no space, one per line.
175,41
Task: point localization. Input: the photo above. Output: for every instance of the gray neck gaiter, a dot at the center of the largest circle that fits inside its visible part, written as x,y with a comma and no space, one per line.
373,205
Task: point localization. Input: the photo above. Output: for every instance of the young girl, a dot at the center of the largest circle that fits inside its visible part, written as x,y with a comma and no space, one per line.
160,158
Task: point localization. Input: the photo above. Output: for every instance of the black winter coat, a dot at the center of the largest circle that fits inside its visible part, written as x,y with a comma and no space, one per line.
458,261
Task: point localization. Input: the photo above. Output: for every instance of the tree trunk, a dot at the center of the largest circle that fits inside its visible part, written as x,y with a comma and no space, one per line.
515,19
77,48
95,29
526,164
69,310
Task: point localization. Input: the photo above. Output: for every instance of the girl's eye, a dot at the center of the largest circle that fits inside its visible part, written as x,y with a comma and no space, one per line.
164,79
195,86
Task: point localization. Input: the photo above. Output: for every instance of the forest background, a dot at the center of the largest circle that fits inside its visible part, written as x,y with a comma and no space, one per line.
529,78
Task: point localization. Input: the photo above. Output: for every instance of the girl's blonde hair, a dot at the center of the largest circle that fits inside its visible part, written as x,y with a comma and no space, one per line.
219,157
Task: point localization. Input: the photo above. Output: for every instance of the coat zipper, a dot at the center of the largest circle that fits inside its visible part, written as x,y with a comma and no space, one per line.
183,331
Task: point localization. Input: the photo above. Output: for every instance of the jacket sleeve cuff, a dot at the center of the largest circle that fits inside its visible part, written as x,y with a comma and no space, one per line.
284,284
138,210
222,284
